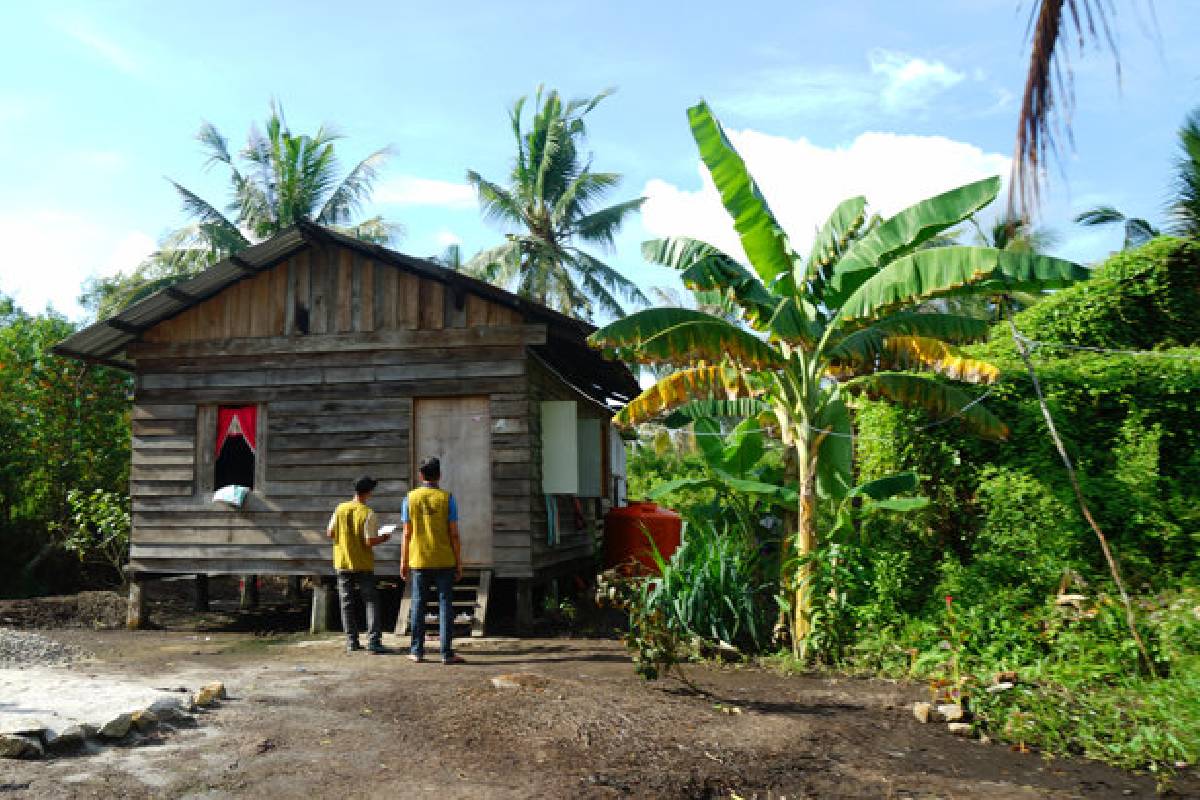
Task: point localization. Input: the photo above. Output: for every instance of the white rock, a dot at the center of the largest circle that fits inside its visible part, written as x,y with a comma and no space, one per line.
922,712
1003,686
950,712
960,729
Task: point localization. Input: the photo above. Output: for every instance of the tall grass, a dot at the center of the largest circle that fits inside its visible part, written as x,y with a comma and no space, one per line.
715,586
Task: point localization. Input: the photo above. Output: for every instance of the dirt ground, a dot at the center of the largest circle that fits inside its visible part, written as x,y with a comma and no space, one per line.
305,719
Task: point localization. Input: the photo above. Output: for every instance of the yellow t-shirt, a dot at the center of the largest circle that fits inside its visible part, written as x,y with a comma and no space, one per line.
352,524
428,510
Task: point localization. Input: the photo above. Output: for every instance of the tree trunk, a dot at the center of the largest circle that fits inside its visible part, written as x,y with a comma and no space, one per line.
805,546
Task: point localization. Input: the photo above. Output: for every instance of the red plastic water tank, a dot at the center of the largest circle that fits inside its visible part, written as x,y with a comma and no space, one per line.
625,543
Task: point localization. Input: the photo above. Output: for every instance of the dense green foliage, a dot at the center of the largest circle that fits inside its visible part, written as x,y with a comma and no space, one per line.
1004,535
64,426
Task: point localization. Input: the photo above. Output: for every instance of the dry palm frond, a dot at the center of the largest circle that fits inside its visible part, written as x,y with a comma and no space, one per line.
1048,100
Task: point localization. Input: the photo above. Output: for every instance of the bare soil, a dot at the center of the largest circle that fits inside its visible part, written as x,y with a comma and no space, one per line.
305,719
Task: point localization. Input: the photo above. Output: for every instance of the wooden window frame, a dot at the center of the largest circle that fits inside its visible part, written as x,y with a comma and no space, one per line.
206,443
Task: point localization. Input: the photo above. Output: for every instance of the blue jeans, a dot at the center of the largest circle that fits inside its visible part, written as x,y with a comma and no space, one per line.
422,580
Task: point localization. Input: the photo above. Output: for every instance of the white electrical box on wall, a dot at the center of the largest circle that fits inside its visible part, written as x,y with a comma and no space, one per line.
560,447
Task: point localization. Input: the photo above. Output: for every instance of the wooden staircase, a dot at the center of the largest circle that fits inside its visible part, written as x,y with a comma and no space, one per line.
470,605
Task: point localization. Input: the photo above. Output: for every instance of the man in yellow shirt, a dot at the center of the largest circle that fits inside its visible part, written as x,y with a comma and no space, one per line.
432,554
354,529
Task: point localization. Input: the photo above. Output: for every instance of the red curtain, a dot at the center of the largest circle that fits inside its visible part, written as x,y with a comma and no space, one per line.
236,421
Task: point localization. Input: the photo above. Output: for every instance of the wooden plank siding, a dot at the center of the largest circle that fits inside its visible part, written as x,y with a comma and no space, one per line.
338,292
334,347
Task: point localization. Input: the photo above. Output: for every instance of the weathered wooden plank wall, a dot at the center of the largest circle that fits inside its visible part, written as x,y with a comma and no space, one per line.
336,402
337,291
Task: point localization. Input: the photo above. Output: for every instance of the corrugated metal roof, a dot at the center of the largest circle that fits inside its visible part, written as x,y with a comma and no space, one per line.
105,341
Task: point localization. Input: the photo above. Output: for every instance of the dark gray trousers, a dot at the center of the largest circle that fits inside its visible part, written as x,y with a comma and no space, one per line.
365,581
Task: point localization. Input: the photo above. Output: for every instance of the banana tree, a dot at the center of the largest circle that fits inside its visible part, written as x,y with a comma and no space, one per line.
842,321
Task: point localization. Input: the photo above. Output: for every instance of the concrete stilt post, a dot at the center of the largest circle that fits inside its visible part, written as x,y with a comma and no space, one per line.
135,617
249,597
322,602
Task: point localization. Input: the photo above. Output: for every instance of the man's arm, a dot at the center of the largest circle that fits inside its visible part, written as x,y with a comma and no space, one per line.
456,543
404,550
371,531
329,531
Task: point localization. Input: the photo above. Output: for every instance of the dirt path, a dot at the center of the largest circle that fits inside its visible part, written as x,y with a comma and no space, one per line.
306,720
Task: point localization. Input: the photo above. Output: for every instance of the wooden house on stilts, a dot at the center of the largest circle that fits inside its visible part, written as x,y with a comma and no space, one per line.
311,358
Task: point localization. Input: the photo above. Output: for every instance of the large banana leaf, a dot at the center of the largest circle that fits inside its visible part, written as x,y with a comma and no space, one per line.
704,268
743,447
682,336
953,271
942,401
708,440
864,346
763,239
887,486
684,386
905,231
918,352
832,238
796,320
716,408
952,328
836,454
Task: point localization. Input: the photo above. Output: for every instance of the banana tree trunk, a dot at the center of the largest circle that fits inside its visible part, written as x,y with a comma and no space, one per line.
805,544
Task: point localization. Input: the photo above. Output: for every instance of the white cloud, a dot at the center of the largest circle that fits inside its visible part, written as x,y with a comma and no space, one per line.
409,190
893,82
107,49
445,238
803,182
49,255
910,82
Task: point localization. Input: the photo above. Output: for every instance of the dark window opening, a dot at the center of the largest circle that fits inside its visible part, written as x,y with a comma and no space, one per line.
235,464
236,448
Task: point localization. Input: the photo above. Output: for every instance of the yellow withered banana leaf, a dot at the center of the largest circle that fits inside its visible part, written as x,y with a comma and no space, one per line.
939,400
684,386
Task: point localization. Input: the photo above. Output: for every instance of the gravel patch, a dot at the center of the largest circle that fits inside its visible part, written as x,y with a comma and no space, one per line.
23,649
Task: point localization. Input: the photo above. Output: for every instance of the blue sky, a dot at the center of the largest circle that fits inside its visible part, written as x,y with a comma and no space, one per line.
100,100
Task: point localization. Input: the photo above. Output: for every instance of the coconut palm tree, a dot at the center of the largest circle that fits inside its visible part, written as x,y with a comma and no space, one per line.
278,179
550,209
843,321
1138,231
282,178
1185,208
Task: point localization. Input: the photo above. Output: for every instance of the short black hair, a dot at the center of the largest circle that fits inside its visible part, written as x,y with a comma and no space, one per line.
365,484
431,468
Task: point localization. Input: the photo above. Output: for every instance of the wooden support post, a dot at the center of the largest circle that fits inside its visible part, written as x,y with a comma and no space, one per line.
200,597
322,603
135,617
249,597
524,605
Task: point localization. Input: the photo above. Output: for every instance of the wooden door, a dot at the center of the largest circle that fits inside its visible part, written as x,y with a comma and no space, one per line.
458,430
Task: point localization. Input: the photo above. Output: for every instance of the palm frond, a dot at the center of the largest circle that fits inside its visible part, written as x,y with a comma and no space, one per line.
1185,210
601,227
1048,99
354,190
